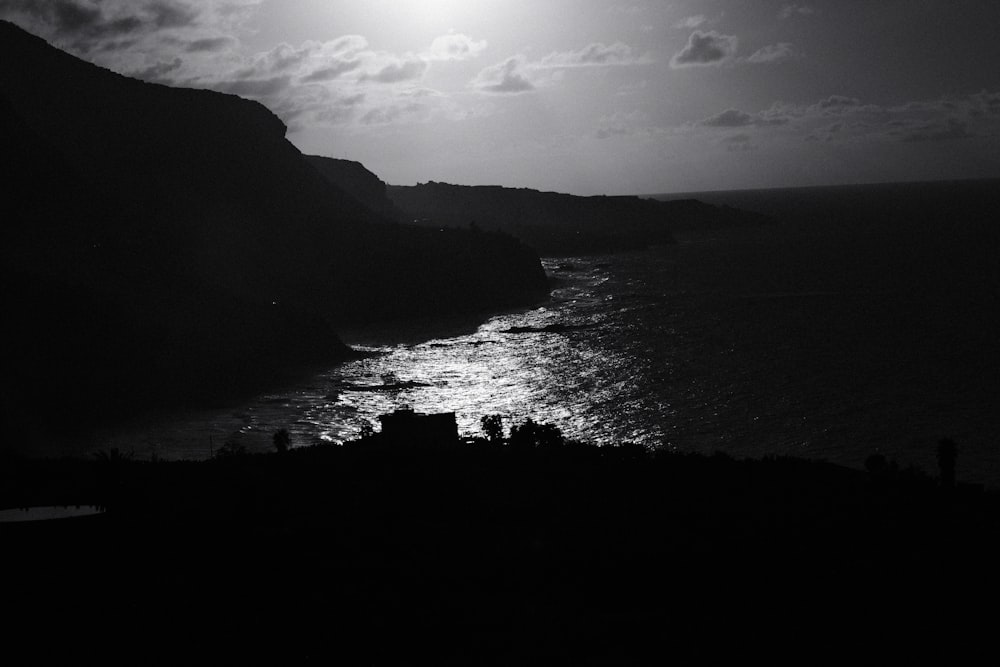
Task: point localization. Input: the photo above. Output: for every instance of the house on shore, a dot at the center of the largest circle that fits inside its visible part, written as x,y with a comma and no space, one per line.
404,427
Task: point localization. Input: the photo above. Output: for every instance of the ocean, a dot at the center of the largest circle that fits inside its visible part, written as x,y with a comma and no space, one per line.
863,319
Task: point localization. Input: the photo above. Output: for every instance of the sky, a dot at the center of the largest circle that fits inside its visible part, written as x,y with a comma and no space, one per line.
582,96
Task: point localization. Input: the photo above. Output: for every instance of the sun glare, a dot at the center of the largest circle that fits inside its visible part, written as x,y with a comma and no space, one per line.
433,14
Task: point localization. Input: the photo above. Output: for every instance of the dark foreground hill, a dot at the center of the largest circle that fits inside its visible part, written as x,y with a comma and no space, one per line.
561,224
354,177
164,245
487,555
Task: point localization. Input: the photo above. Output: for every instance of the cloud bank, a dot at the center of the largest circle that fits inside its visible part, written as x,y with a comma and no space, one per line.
596,54
792,10
705,49
508,77
772,54
845,118
519,75
454,47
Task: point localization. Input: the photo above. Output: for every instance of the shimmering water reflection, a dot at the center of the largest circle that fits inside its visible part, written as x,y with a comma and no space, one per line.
752,342
509,365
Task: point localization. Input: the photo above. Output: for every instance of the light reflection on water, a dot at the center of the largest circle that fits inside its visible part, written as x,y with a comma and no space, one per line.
742,343
567,378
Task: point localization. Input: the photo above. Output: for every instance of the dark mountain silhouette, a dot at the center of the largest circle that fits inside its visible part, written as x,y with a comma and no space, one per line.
561,224
166,245
354,177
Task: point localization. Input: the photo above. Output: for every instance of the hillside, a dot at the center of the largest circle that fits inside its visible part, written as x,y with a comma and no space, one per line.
355,178
561,224
166,245
498,555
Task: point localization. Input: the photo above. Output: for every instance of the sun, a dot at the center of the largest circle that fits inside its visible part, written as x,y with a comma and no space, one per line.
439,15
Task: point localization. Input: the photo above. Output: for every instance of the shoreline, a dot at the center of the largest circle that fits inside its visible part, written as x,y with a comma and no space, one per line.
407,332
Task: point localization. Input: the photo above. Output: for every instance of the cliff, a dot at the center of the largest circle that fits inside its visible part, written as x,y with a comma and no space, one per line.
354,178
166,245
561,224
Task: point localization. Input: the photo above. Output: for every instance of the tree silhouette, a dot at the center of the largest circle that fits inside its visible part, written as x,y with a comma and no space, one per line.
530,435
947,453
230,450
492,426
282,440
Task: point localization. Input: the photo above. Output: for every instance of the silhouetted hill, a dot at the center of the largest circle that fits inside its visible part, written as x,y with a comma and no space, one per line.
499,555
561,224
353,178
161,244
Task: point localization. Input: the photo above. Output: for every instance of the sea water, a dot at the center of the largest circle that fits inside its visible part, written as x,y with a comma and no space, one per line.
859,321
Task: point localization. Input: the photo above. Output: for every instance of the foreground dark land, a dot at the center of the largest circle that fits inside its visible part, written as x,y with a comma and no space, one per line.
490,555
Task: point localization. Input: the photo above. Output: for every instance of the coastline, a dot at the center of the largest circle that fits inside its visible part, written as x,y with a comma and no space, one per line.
365,342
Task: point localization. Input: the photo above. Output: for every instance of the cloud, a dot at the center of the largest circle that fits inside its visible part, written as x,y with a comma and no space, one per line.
985,103
340,109
950,129
209,44
621,124
728,118
705,48
596,54
342,80
352,100
517,75
83,25
341,54
789,11
393,113
507,77
157,73
172,14
843,118
737,142
398,71
691,22
280,58
771,117
607,131
772,54
842,105
195,43
332,72
454,46
838,102
253,87
113,45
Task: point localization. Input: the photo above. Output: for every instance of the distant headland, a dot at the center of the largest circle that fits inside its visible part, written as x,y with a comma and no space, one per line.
554,224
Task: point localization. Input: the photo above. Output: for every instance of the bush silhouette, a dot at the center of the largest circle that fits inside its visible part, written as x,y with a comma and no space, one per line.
492,426
230,450
282,440
947,453
531,435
